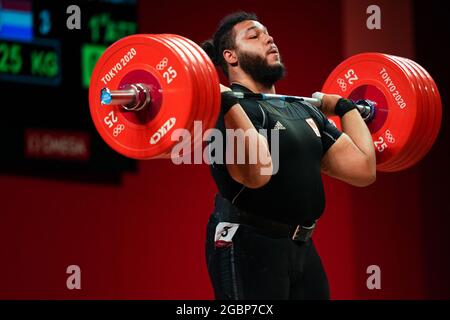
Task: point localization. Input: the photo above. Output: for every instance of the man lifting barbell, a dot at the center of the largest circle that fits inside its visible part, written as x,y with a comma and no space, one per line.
259,237
146,89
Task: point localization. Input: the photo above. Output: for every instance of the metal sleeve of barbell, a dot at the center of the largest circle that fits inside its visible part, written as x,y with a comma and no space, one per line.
121,97
133,97
363,110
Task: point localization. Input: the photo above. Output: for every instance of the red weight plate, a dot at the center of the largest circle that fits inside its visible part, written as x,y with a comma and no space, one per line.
199,80
208,87
416,143
374,77
436,106
193,64
427,119
211,88
434,120
396,163
188,124
142,59
210,69
427,115
203,112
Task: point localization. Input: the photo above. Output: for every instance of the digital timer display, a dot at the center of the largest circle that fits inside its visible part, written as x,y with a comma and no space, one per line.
45,70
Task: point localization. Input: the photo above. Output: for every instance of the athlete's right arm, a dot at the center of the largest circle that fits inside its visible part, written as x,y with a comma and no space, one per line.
248,157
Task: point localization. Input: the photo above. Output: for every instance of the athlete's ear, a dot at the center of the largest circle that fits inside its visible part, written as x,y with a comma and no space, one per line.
230,57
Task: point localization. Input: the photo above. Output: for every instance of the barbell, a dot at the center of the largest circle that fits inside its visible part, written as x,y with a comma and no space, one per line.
146,86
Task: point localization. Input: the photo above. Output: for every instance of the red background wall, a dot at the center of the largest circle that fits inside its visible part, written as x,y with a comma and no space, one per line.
144,239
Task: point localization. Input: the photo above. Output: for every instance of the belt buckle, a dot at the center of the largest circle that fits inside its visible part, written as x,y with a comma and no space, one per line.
302,233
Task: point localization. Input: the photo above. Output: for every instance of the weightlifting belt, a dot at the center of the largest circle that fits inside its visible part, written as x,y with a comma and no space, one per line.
232,214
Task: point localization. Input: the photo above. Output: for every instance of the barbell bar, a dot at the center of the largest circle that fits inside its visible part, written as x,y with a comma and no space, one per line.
149,85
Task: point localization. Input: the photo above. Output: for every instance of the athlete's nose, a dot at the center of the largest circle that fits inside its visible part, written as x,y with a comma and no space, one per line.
269,39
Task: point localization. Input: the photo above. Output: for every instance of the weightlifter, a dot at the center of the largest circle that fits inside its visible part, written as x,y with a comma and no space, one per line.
259,243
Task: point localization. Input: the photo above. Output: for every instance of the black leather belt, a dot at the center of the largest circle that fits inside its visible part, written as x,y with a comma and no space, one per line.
234,215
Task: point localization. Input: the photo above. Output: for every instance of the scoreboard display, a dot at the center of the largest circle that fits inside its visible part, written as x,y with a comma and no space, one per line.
48,50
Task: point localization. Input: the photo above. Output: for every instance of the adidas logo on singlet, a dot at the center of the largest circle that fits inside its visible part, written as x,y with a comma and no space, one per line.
279,126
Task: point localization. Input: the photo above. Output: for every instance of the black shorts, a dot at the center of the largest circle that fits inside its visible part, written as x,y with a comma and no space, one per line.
245,262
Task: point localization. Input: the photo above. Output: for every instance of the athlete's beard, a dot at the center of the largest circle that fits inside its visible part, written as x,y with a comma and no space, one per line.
258,68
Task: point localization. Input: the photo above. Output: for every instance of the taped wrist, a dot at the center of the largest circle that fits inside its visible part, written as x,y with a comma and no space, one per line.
343,106
228,100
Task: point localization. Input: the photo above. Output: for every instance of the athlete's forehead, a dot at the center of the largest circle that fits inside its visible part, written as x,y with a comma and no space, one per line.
242,28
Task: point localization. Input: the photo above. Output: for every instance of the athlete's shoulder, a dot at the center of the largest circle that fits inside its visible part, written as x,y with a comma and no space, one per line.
313,109
255,112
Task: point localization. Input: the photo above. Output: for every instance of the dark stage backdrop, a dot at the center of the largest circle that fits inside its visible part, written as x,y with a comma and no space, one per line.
144,238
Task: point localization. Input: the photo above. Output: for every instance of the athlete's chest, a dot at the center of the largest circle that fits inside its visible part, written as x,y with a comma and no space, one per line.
293,128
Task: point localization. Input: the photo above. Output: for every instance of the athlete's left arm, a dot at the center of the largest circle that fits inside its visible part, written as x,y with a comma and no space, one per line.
352,157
